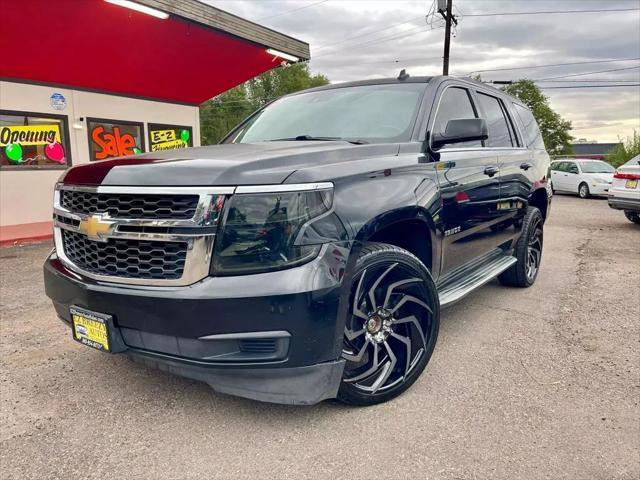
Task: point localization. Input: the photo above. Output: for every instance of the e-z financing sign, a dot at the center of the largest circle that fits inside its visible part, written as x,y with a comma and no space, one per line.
169,138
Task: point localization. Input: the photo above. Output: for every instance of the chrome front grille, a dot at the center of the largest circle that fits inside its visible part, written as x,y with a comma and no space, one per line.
126,258
161,236
118,205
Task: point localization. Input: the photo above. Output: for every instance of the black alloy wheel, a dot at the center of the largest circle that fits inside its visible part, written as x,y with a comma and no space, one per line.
528,252
534,248
392,326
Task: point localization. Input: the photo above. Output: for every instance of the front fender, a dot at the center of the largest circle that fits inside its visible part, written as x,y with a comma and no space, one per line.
369,207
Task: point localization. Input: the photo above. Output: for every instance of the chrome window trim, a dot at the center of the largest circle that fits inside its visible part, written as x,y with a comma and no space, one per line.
468,87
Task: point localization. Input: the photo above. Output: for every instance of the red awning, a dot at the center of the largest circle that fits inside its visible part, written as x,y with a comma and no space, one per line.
95,45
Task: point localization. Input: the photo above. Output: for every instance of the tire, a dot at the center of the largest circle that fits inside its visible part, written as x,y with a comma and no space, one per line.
528,252
583,190
632,216
392,326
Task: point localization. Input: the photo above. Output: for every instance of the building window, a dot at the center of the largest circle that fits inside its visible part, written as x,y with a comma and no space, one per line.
31,140
114,138
169,137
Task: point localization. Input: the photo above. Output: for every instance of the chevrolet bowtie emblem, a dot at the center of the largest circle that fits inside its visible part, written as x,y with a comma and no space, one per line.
95,227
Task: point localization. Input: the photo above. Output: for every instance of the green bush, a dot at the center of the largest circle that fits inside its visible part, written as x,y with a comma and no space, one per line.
625,151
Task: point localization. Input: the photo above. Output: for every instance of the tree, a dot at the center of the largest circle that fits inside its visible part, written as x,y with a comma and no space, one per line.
555,130
625,151
220,114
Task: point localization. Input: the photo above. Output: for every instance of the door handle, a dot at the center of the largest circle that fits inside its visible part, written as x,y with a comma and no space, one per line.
526,166
491,170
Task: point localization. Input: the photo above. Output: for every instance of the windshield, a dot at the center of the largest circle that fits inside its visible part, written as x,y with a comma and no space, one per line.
368,113
596,167
634,161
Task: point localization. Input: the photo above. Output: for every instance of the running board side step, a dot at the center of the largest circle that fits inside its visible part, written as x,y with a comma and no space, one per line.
463,281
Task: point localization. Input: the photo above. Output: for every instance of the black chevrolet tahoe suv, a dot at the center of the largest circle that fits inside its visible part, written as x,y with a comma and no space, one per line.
307,256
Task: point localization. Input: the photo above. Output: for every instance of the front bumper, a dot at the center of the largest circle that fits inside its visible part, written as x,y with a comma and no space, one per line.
199,331
599,189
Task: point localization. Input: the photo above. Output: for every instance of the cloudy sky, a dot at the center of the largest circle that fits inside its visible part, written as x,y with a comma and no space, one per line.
356,39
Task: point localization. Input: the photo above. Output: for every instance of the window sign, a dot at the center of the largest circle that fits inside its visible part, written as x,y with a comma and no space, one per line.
35,140
169,137
114,138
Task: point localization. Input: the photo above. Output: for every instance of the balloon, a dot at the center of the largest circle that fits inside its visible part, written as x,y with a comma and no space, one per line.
54,152
136,151
185,135
14,152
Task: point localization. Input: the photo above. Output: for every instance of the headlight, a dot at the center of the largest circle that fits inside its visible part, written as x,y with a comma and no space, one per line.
260,231
601,180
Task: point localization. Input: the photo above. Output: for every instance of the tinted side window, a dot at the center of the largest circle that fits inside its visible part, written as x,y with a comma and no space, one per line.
532,135
555,166
455,104
572,168
499,135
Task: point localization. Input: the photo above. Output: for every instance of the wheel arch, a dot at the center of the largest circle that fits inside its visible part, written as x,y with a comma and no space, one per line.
405,228
540,199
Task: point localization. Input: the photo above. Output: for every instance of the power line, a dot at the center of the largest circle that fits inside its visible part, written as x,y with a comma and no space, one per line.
399,61
552,65
370,33
291,11
376,41
588,73
589,80
590,86
549,12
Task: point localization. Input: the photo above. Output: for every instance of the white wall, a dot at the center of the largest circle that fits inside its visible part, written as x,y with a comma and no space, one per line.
25,196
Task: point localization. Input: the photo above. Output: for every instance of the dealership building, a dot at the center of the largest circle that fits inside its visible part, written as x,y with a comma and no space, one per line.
96,79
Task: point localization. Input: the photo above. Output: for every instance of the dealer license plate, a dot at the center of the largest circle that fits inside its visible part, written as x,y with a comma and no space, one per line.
631,184
91,328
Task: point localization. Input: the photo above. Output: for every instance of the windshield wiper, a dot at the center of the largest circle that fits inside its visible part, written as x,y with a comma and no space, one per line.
308,138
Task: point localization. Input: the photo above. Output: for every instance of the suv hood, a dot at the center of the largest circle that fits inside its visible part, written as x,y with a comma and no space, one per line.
226,164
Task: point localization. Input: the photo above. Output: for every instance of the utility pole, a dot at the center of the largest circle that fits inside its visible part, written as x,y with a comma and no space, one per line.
445,9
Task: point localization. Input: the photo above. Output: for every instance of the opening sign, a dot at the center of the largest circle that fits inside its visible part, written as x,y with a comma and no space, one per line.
169,137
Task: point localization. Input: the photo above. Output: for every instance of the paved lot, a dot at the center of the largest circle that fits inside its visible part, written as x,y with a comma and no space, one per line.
537,383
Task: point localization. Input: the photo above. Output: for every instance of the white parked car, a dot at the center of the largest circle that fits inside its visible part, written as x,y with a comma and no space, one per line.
582,176
624,193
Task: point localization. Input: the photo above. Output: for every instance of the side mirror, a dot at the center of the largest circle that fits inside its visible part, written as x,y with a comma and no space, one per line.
462,130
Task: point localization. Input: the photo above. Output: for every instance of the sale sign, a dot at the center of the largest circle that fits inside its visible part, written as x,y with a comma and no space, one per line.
108,139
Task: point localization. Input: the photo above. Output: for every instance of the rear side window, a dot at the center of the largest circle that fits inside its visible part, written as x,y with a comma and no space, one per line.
532,135
499,134
455,104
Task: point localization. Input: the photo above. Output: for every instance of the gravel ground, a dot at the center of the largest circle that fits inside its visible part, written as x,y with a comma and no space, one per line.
536,383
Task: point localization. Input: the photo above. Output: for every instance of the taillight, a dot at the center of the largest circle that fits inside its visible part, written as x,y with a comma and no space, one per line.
626,176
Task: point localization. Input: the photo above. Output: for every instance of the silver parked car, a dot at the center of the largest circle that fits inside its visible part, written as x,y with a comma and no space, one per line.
624,193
